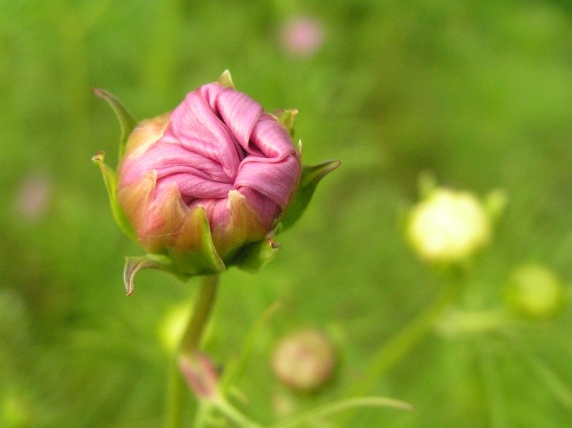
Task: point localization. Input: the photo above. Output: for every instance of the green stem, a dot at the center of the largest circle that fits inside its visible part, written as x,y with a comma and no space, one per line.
402,343
493,387
174,404
189,346
234,415
340,406
191,340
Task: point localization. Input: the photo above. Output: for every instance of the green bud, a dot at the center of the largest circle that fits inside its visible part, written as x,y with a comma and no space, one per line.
534,291
448,226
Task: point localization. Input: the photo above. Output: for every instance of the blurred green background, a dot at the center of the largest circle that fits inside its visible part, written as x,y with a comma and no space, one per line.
478,93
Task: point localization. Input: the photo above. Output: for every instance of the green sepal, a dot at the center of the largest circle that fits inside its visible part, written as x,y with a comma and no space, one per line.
286,118
311,176
110,179
225,80
194,252
126,120
149,261
252,257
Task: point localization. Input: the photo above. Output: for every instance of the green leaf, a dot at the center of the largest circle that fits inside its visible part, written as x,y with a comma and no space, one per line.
236,367
311,176
310,417
126,119
149,261
110,179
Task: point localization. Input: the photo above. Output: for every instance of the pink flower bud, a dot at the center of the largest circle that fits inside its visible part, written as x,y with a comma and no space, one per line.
208,185
217,156
305,360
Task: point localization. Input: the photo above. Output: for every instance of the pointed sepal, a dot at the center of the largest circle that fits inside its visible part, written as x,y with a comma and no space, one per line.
311,176
286,118
110,179
225,80
254,256
195,252
149,261
126,120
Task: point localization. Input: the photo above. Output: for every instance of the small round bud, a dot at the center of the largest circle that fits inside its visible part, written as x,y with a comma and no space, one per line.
448,226
535,291
304,360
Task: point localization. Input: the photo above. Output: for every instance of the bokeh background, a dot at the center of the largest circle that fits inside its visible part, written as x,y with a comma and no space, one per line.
477,93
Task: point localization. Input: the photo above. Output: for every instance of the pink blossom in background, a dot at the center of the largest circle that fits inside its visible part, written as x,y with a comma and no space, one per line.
34,196
302,36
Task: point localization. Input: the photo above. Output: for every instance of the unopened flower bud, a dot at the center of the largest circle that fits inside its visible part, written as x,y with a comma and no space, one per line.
535,291
217,157
205,186
305,360
448,226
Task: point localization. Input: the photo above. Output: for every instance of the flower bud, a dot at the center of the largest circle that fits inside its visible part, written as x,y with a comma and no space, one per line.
448,226
305,360
206,186
535,291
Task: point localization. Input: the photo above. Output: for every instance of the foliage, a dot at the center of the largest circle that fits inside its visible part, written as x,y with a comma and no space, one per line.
477,94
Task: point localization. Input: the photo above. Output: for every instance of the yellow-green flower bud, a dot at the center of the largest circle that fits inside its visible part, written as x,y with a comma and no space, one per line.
535,291
448,226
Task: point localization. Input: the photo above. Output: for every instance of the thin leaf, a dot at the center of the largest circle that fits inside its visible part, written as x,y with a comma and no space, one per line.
110,179
126,120
235,369
149,261
340,406
311,176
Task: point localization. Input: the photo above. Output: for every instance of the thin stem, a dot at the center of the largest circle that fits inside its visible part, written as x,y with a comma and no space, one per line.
493,385
191,340
401,344
174,404
189,346
233,414
340,406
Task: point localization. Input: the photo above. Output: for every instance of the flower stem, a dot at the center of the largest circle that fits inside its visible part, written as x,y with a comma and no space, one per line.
401,344
175,397
191,340
189,347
